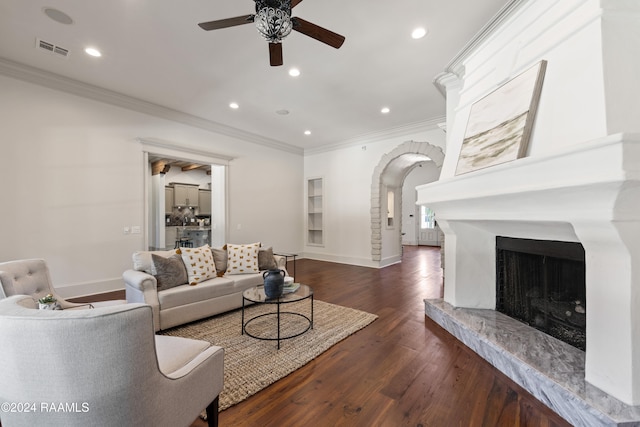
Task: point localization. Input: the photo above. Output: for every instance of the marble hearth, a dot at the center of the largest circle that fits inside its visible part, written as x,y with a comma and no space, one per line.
549,369
587,193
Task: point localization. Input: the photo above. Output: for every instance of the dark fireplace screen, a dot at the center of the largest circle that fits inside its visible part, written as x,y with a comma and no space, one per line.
542,283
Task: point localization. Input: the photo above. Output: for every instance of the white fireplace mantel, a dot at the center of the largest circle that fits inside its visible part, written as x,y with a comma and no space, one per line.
574,184
587,193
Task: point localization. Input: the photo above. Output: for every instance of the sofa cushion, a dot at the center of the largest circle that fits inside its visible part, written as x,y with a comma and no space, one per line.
246,281
242,259
142,260
170,272
176,352
220,260
266,261
199,264
185,294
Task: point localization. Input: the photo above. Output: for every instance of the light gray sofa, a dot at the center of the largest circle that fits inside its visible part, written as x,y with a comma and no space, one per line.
185,303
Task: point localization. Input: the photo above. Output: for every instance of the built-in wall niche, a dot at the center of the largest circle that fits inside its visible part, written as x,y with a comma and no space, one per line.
543,284
315,219
391,208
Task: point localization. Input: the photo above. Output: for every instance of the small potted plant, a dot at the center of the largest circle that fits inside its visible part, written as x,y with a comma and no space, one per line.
48,302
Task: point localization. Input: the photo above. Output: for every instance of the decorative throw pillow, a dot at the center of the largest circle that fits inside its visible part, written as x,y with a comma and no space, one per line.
170,272
220,260
142,260
199,264
242,259
266,261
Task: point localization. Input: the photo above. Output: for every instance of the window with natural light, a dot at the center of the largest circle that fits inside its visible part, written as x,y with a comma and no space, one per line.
427,218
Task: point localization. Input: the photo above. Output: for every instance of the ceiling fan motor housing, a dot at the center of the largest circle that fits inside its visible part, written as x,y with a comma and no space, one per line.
274,22
273,19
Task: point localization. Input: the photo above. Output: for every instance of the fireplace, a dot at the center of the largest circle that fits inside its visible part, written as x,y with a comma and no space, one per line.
579,182
542,283
560,198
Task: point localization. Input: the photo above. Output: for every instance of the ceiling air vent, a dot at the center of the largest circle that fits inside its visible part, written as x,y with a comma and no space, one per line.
51,48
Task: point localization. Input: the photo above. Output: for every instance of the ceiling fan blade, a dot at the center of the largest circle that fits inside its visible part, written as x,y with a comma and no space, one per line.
294,3
225,23
275,54
321,34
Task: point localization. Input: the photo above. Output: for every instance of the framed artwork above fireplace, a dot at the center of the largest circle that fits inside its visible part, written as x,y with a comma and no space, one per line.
500,123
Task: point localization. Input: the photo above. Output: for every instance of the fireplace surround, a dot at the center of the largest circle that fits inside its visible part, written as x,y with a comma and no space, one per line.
588,193
578,182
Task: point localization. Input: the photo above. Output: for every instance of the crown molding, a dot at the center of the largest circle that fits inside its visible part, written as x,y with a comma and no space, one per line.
456,65
55,81
396,132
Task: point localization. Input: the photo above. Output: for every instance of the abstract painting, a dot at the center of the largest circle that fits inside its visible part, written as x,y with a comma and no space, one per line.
500,123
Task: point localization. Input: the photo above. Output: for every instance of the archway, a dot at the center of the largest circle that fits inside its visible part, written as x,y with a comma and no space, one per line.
387,184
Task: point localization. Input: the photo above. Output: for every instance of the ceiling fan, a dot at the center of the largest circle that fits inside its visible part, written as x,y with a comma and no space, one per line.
274,22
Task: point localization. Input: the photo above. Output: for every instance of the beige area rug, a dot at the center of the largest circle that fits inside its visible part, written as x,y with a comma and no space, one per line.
250,364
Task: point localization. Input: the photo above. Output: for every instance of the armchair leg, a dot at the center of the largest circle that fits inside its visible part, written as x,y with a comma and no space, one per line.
212,413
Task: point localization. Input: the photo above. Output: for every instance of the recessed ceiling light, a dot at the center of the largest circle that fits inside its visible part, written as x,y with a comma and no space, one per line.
234,105
294,72
419,33
57,15
93,52
385,110
307,132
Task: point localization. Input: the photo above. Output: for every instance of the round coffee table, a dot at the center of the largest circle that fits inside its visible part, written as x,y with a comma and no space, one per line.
256,295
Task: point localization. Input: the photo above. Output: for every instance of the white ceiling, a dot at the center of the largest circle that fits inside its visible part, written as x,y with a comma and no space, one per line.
153,50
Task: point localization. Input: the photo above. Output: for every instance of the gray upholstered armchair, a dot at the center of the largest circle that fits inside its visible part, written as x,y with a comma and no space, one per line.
31,277
101,367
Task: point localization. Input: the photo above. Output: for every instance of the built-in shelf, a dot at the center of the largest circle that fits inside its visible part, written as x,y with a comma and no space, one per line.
315,220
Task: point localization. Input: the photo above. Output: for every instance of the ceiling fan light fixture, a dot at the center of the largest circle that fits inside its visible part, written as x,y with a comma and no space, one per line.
273,19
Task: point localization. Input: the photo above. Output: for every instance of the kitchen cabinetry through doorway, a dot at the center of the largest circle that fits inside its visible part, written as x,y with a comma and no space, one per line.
160,160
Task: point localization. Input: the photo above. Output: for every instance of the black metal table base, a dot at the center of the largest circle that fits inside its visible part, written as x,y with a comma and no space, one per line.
278,314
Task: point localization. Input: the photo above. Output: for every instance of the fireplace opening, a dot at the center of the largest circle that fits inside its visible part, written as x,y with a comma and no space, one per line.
542,283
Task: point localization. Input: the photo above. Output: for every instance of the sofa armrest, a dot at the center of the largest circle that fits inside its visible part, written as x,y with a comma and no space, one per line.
143,288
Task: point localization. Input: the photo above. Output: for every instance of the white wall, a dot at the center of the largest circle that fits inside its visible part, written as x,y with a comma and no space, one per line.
347,174
73,177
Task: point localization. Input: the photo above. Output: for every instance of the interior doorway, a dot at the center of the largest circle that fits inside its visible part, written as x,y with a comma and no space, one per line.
389,177
429,233
159,158
181,199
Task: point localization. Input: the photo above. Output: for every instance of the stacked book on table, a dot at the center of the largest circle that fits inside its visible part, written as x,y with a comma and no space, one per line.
290,287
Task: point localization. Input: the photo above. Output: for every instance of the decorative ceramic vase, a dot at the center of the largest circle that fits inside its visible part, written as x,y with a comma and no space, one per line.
273,282
49,306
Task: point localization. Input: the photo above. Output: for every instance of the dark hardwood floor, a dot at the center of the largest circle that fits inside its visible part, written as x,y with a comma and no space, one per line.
402,370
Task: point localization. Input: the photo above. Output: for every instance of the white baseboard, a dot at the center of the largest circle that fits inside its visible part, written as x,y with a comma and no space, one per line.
362,262
390,261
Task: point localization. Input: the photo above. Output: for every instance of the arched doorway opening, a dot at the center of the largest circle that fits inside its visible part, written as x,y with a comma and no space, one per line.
386,197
